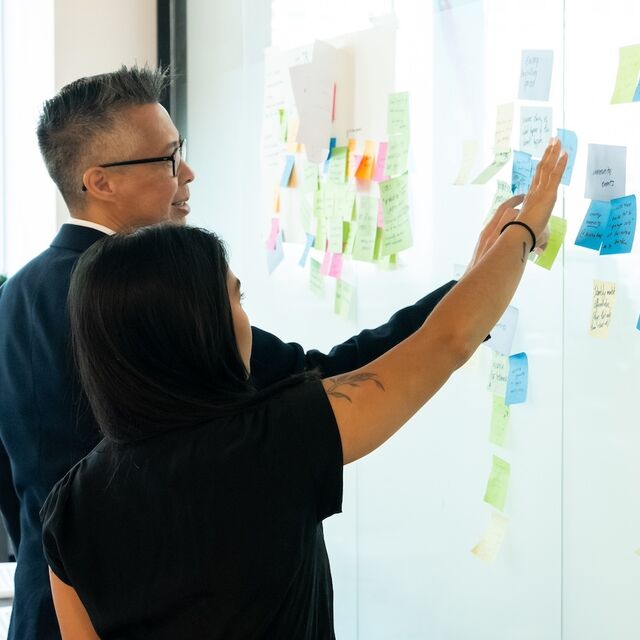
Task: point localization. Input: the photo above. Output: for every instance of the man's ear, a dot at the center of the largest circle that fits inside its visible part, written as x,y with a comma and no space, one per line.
99,183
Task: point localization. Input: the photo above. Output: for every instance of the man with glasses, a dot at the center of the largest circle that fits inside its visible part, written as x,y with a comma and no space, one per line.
119,163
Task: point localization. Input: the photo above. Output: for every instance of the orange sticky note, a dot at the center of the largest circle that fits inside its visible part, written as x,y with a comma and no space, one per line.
352,165
365,170
276,199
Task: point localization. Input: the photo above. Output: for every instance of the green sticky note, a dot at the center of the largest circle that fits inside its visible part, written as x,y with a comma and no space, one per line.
499,421
498,162
350,233
396,235
367,212
318,202
337,172
282,117
502,194
498,483
345,301
321,235
397,154
335,230
557,232
398,114
628,72
309,177
316,279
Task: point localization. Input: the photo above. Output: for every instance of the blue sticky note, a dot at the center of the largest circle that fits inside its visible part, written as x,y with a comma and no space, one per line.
636,95
521,175
308,244
332,145
638,325
621,227
518,379
288,169
569,141
594,225
275,257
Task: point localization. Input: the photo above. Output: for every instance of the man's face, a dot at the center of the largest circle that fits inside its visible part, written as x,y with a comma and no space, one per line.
148,193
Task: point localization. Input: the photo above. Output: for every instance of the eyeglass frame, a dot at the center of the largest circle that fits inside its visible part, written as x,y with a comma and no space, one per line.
171,158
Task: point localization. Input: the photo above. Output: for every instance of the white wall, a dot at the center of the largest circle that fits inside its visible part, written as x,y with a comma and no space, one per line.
45,45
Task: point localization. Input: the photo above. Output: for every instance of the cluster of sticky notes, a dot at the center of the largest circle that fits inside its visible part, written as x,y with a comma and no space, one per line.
609,226
604,297
627,87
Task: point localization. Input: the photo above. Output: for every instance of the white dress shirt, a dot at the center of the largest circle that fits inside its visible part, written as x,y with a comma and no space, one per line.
91,225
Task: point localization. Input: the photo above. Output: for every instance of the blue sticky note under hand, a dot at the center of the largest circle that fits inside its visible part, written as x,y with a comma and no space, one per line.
621,227
288,170
569,141
518,379
521,173
594,225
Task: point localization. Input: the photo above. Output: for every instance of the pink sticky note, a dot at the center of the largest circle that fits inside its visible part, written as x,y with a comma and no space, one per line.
378,174
273,234
326,264
380,215
335,271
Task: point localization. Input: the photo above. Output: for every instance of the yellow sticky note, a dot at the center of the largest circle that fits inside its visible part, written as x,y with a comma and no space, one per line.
628,73
604,297
490,544
501,159
469,154
504,127
498,483
499,421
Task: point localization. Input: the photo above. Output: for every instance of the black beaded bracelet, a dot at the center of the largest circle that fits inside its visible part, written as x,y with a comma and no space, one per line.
527,227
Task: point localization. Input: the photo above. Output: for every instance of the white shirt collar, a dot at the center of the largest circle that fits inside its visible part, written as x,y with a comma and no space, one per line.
91,225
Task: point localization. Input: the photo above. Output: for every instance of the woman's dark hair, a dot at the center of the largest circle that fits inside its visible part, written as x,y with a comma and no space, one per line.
153,333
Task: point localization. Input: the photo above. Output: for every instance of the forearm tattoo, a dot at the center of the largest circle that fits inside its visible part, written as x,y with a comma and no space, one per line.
351,380
524,251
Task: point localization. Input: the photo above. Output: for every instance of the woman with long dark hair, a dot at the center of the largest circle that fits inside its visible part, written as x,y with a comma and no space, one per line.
200,513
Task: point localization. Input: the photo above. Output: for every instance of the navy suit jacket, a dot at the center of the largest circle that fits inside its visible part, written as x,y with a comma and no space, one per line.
46,425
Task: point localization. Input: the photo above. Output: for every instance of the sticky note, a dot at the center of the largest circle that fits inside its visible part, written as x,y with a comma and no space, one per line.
367,211
366,166
498,162
500,413
535,75
335,270
345,300
273,234
502,194
499,374
397,154
351,159
604,297
326,263
398,114
521,174
628,73
394,194
621,227
638,324
594,225
307,246
287,171
351,231
557,232
535,129
569,141
379,171
337,168
275,256
469,155
498,483
503,333
606,172
316,281
332,146
518,379
334,235
504,127
491,542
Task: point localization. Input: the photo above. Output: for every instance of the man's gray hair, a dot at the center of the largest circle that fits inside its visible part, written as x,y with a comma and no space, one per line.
73,119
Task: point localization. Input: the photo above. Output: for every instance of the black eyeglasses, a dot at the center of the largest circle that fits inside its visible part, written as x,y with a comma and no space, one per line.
175,158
